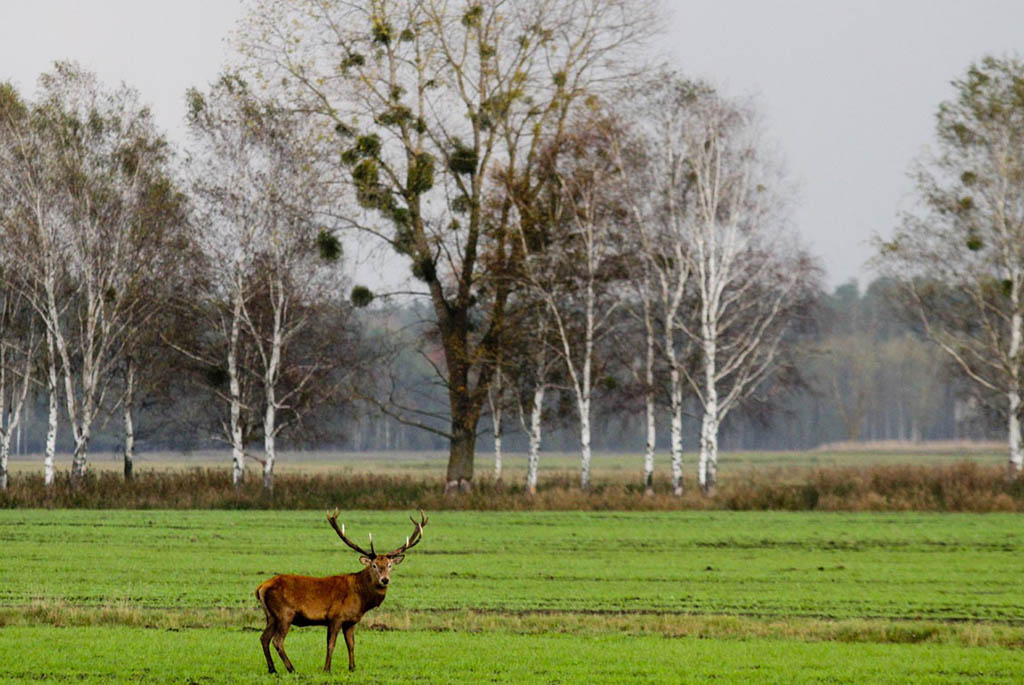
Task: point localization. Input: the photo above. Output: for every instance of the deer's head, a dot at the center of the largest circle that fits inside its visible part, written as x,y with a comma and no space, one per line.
380,568
380,565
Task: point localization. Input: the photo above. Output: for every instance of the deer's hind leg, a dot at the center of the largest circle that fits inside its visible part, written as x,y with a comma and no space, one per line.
268,633
280,633
279,620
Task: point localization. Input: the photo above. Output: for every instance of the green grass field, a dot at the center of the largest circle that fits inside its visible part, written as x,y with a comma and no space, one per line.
165,596
220,655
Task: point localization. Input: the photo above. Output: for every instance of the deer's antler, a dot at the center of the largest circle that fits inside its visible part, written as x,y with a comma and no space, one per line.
413,540
332,518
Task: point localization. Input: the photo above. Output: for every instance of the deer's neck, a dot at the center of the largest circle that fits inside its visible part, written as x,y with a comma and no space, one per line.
370,593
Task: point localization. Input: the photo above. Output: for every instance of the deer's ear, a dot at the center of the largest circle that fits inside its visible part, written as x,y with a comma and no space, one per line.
397,559
365,561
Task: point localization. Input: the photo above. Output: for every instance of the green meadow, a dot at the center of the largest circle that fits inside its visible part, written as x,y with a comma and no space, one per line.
687,596
220,655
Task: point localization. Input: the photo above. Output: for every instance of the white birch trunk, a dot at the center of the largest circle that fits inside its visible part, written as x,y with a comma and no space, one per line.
649,391
585,453
1016,451
1016,334
649,446
81,449
5,430
269,441
707,472
588,362
235,404
677,434
708,466
541,369
497,449
270,393
80,457
581,377
496,400
533,459
52,414
13,413
270,455
129,424
675,395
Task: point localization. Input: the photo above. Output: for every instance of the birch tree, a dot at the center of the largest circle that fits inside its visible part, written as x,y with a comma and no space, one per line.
162,264
653,159
575,273
530,362
523,374
227,191
748,273
539,370
439,107
32,231
19,347
496,400
959,256
261,194
632,163
222,357
645,291
86,237
18,334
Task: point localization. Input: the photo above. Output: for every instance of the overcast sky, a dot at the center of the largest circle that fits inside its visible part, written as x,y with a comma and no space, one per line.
848,88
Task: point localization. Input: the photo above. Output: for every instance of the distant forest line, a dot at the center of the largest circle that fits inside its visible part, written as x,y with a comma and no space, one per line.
868,375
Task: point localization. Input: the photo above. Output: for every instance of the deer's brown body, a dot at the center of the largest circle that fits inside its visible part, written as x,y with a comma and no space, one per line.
337,602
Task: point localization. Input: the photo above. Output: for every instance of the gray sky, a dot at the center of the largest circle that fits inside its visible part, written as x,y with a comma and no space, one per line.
849,88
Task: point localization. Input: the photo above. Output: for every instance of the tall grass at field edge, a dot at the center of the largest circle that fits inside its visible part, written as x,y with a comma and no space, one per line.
669,625
960,487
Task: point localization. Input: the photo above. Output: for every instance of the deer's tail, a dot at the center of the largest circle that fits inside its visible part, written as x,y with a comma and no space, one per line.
261,595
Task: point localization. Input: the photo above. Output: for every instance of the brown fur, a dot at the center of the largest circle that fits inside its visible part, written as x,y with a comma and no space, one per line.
337,602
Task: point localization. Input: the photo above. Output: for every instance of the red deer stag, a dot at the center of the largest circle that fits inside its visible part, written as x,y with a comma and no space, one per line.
337,602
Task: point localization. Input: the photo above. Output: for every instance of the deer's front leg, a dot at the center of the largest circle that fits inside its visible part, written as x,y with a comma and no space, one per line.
332,636
350,642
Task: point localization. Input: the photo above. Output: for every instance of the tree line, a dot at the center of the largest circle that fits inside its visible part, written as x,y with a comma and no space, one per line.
589,236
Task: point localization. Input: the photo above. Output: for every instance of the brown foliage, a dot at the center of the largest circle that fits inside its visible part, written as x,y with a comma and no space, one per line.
963,486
